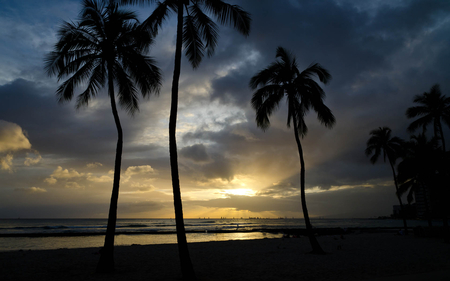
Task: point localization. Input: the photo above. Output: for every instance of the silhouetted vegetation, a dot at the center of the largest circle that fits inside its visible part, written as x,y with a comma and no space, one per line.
198,34
280,79
379,143
433,108
424,170
105,48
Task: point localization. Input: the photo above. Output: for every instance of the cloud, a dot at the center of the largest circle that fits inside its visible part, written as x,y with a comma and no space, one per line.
32,160
31,189
92,178
196,152
6,163
51,180
61,173
140,170
12,137
73,185
280,190
94,165
142,206
142,187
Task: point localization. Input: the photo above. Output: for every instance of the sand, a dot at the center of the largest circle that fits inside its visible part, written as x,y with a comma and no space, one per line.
365,256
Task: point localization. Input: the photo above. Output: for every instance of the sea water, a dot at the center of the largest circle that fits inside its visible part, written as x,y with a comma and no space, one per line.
160,231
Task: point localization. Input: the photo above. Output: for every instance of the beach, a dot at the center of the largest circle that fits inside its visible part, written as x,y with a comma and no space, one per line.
356,256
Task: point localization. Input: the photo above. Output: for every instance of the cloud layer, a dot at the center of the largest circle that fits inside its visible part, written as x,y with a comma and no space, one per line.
380,54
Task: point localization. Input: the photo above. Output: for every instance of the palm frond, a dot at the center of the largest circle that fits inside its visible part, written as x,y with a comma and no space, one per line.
316,70
96,82
157,18
192,42
206,27
231,15
127,94
265,101
143,70
265,76
421,122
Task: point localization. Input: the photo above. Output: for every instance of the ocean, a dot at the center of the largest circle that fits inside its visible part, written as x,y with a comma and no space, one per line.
42,234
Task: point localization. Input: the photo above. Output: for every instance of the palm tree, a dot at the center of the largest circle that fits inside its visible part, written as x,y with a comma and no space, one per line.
282,78
198,34
106,47
417,170
391,147
433,108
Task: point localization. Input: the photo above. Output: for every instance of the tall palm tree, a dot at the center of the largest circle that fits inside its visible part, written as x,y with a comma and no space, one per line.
434,108
391,147
280,79
198,34
106,48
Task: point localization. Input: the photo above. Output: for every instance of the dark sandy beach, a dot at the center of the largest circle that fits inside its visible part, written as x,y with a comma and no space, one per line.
364,256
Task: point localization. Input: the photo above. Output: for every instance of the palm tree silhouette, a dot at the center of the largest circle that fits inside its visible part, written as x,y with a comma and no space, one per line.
282,78
106,47
197,33
433,108
417,170
391,147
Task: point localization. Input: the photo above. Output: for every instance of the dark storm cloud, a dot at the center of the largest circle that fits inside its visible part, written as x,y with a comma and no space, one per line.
30,106
281,189
196,152
379,58
232,89
142,207
53,129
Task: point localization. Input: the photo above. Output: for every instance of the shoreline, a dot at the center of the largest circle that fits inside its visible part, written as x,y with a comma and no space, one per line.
361,256
290,231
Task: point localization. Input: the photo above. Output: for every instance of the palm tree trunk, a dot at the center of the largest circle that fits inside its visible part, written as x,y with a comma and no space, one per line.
442,135
316,248
186,265
398,197
106,262
427,205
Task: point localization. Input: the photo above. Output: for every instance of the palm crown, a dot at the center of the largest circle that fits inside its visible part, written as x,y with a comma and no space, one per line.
433,108
200,33
381,142
283,78
106,44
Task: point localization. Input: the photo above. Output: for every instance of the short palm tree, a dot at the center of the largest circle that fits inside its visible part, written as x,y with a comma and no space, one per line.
434,108
280,79
198,34
106,48
379,143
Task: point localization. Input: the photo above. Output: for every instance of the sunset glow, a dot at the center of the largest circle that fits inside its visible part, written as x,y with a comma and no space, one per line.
56,160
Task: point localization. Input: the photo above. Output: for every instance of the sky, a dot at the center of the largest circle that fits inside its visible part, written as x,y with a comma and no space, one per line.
57,161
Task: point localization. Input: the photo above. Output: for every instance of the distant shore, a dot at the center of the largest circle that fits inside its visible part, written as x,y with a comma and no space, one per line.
356,256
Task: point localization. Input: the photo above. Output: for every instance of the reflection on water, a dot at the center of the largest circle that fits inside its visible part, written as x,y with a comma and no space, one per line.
47,243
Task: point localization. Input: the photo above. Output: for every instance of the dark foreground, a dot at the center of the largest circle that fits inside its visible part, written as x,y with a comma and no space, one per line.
364,256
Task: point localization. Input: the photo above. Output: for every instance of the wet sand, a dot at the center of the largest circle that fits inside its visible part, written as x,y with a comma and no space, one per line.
364,256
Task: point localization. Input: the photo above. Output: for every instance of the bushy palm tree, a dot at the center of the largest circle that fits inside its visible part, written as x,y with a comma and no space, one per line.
379,143
280,79
106,48
198,34
434,108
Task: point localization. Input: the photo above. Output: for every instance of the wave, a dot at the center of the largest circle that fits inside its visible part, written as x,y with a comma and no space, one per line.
132,225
